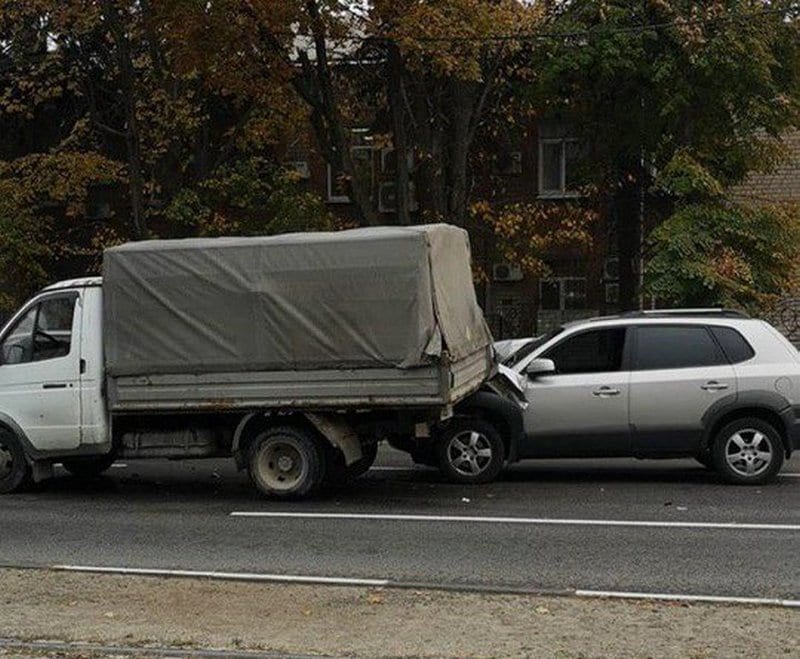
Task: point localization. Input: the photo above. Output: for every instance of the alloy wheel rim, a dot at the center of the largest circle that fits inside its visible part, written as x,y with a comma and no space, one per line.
281,466
748,452
470,452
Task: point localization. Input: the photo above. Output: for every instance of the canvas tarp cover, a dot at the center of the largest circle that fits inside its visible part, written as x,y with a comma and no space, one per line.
364,298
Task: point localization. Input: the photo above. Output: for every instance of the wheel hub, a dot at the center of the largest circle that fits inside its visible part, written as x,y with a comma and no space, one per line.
281,465
470,452
285,463
748,452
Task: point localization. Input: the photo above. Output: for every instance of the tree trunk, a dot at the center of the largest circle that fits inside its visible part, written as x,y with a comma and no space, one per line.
132,136
399,127
627,215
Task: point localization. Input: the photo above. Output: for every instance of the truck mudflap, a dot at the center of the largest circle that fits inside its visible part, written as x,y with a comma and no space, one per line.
340,434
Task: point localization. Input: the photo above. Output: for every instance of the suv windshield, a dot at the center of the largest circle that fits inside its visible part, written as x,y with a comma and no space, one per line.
527,348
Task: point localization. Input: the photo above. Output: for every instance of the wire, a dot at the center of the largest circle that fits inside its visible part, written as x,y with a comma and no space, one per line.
600,30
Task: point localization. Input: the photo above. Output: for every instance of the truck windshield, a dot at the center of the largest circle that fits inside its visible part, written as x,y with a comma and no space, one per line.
530,346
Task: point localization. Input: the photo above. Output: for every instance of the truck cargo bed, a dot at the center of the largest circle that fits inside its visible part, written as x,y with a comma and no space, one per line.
436,385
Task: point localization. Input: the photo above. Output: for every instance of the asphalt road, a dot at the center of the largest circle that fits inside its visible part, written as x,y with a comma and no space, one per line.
596,525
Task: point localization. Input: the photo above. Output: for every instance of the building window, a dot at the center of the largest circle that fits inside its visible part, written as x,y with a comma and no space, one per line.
557,167
562,293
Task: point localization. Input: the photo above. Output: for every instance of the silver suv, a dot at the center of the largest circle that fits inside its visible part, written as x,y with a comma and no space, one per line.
712,384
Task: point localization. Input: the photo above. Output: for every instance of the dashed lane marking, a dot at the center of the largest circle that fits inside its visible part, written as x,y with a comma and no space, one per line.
537,521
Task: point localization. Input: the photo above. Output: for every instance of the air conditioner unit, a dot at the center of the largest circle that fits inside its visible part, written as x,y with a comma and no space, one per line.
300,167
506,272
387,198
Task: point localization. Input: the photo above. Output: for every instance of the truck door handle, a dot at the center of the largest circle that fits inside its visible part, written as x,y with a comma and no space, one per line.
714,386
54,385
606,392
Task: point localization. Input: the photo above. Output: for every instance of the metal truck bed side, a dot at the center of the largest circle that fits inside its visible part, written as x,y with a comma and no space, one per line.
427,386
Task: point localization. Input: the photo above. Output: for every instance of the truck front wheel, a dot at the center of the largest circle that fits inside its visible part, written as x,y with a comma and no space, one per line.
470,451
285,462
14,469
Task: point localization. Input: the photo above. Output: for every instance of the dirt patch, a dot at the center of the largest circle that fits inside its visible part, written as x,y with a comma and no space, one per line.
377,623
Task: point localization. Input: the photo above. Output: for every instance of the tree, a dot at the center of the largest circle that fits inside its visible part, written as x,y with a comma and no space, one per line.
644,82
96,93
424,74
714,252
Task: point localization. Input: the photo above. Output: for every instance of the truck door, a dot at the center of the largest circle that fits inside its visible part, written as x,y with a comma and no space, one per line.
40,371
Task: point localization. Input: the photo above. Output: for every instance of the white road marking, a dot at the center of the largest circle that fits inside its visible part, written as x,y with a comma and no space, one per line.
789,475
717,599
116,465
540,521
239,576
397,469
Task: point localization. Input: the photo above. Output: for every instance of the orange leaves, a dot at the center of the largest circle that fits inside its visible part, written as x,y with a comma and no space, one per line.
450,37
524,233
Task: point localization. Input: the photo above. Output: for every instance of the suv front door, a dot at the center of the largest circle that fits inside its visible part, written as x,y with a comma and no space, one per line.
678,373
581,410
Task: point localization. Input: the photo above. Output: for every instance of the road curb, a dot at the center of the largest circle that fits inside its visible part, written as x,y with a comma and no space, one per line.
486,589
146,650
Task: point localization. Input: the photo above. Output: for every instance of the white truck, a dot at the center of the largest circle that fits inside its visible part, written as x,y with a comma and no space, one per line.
293,354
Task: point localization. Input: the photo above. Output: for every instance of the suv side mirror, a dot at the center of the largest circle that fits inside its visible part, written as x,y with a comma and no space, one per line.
540,367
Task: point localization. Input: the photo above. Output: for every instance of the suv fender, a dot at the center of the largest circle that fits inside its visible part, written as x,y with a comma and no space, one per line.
504,414
748,403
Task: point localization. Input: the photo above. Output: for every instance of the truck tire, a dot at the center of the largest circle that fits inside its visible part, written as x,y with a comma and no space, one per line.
89,467
748,452
285,462
470,451
14,469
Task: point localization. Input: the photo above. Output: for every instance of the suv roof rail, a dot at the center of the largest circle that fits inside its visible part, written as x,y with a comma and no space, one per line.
690,313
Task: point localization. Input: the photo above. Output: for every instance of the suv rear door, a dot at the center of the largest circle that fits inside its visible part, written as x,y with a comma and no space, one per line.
582,409
678,372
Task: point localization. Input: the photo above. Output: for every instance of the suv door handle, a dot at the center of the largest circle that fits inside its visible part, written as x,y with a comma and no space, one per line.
54,385
714,386
606,392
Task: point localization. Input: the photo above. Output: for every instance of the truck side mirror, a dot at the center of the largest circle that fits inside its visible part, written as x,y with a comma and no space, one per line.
540,367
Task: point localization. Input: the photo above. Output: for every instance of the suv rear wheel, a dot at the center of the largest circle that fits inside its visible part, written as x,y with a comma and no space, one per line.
748,452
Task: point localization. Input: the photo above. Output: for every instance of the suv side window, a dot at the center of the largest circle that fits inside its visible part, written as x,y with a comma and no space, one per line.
676,346
44,332
596,351
734,344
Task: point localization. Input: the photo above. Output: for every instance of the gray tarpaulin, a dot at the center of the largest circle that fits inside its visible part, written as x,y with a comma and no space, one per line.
352,299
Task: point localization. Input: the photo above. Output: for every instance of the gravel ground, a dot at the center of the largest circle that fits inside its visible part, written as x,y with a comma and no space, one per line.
362,622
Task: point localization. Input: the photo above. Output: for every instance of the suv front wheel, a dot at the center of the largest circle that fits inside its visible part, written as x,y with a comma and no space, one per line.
470,451
748,452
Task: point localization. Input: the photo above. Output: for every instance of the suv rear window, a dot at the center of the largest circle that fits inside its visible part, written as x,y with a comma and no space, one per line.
677,346
734,344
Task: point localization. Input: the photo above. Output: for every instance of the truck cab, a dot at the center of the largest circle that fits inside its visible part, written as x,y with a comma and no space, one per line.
51,372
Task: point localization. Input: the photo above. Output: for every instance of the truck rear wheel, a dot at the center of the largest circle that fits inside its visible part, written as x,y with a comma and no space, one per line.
285,462
89,467
14,469
470,451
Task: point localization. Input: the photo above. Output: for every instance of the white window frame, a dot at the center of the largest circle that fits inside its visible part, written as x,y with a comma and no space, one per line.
561,192
345,199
